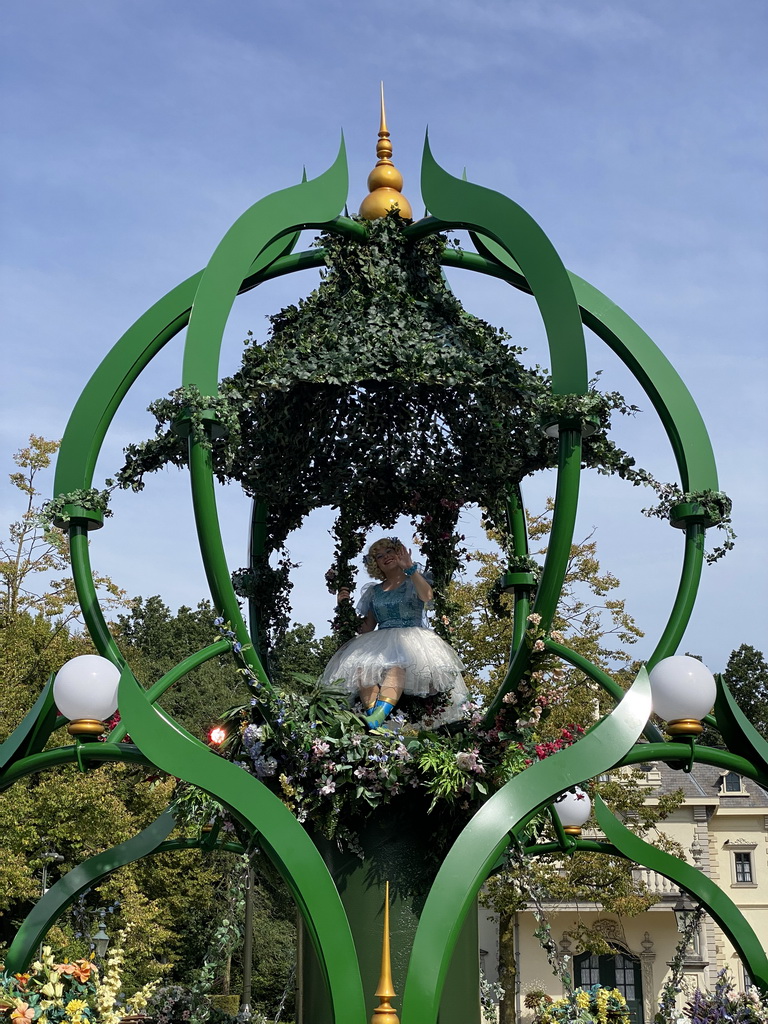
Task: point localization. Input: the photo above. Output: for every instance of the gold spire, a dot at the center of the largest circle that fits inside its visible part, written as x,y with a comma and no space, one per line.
385,1013
384,181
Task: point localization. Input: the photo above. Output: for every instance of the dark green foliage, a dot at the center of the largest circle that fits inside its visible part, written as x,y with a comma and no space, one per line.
746,675
378,395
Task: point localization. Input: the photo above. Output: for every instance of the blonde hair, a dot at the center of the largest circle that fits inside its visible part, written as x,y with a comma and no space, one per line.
370,559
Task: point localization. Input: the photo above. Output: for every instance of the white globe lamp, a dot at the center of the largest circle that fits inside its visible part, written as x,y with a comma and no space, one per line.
85,691
683,691
573,808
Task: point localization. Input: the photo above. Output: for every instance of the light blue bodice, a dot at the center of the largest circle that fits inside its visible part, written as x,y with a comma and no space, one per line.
396,608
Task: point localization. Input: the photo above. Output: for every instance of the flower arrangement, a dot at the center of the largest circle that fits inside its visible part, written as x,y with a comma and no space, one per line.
70,993
599,1004
726,1004
316,753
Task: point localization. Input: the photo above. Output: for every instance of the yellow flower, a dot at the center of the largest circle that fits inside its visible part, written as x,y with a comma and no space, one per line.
582,999
75,1007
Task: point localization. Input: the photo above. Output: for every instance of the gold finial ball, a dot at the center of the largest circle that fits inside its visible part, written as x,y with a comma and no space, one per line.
378,204
385,175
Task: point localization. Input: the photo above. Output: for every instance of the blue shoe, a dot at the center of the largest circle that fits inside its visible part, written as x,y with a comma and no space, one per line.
380,713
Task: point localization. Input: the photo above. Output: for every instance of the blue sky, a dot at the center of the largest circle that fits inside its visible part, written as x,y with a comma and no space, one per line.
135,133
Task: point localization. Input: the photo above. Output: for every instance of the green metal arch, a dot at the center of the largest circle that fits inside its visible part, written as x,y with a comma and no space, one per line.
458,203
171,748
481,843
63,893
680,417
665,388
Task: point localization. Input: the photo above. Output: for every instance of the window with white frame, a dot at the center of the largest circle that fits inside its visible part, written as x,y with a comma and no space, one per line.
743,866
732,784
742,862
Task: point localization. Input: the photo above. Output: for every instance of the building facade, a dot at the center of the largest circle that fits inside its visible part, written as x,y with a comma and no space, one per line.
722,825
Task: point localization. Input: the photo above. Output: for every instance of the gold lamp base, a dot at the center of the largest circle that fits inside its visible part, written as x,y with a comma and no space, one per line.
572,830
86,727
685,727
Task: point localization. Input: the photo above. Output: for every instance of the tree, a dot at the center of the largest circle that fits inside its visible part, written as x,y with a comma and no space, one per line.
300,651
590,619
78,814
746,675
40,620
154,640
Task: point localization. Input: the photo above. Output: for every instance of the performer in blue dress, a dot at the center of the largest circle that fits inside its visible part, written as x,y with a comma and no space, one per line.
402,655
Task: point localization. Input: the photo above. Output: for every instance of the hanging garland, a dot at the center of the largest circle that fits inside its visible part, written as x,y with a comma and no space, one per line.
378,395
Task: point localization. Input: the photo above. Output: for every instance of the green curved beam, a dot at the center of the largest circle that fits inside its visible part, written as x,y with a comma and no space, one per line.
88,599
555,563
117,372
482,842
106,389
685,598
457,203
696,884
659,379
671,399
737,730
601,678
518,531
98,752
309,204
173,676
72,885
669,752
31,734
460,204
172,749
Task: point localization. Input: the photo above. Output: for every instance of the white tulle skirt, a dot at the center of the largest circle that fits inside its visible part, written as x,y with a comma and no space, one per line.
431,666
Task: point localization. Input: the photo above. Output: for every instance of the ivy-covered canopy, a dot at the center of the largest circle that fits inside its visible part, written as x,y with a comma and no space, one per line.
378,394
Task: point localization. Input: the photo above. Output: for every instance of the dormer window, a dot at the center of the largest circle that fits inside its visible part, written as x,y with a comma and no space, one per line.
732,784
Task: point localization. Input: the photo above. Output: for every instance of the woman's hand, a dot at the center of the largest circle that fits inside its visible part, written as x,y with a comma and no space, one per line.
405,561
403,557
343,595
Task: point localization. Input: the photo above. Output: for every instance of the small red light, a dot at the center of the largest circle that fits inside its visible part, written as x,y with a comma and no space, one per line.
217,735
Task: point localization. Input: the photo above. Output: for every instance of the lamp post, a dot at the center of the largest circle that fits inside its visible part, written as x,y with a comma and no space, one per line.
101,938
683,691
684,913
48,857
245,999
85,691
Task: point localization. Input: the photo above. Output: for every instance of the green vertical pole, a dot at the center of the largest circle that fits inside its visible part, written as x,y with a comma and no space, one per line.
399,848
